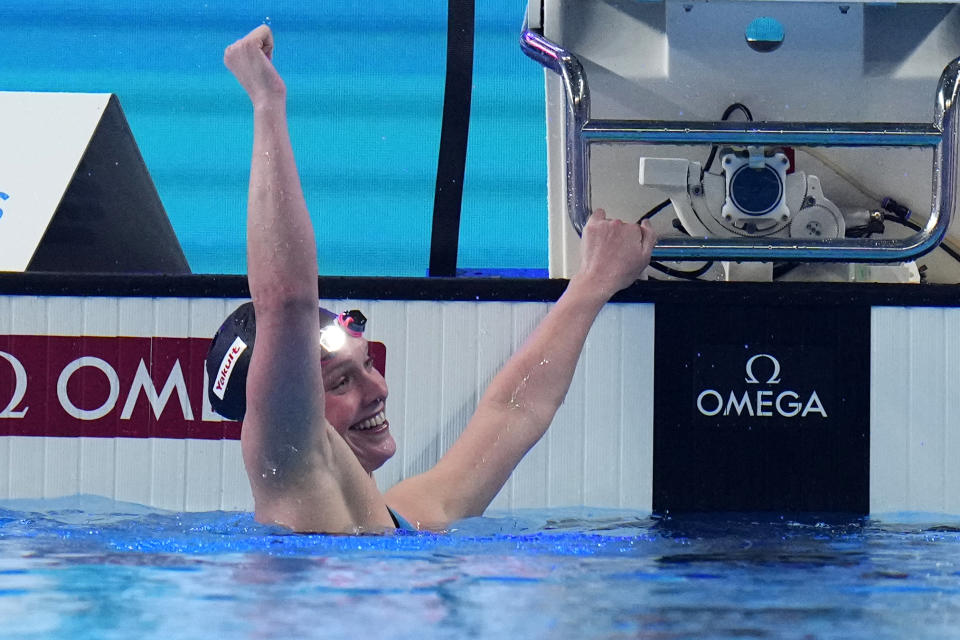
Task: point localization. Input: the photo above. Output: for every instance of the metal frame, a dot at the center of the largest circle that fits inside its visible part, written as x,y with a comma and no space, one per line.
582,132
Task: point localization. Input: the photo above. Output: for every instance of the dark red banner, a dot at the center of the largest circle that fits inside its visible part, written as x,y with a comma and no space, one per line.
111,387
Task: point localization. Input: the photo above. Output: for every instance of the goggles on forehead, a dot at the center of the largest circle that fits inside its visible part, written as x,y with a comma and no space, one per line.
334,335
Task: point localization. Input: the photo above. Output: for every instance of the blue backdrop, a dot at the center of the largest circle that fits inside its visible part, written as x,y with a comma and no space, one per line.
365,83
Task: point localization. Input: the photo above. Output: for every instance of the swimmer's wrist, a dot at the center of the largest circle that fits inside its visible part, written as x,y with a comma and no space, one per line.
270,103
590,289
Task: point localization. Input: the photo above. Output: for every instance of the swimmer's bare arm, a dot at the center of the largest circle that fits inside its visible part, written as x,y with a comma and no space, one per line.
520,402
289,450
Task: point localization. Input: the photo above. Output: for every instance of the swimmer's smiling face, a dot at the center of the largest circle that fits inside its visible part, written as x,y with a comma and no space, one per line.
355,394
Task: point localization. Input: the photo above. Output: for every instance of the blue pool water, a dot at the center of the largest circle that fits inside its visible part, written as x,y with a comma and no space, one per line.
86,567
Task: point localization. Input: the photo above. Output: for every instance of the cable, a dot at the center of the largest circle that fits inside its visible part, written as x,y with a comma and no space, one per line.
783,268
696,273
872,195
678,273
654,211
736,106
912,225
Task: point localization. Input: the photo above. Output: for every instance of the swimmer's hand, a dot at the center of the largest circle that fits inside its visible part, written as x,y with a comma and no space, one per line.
249,59
614,253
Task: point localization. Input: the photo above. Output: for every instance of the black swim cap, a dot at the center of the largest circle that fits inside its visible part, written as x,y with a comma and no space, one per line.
232,347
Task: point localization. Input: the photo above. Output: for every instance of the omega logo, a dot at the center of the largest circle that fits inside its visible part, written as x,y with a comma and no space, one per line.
142,385
19,389
761,403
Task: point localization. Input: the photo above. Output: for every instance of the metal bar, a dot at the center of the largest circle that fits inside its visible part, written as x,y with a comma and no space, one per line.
763,133
577,100
581,132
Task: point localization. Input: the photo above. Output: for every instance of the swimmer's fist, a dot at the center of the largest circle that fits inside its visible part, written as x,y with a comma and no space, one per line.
249,59
614,253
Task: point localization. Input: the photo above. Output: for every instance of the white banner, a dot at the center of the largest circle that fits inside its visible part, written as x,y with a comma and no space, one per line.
43,136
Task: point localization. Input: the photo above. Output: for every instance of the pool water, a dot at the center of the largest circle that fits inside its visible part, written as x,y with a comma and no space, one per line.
86,567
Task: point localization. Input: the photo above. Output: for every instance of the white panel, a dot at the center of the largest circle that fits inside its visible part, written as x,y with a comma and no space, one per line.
567,438
134,470
914,408
98,461
602,363
6,468
203,475
927,396
168,480
50,132
6,313
387,323
29,315
951,414
172,317
236,487
63,314
531,479
27,467
207,315
494,347
458,378
135,316
61,467
100,316
421,417
636,413
889,410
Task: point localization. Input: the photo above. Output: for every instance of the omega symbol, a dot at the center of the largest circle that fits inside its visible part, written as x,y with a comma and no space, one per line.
774,377
760,402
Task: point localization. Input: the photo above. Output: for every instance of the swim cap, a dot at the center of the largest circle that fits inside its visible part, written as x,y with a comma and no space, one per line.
232,347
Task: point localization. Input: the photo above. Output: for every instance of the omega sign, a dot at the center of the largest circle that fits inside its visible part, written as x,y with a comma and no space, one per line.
107,387
762,396
111,387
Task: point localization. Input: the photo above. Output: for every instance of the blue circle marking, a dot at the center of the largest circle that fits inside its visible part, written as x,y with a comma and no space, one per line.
764,34
3,196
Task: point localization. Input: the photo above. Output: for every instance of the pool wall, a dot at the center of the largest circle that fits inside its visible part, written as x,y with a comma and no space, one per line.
440,355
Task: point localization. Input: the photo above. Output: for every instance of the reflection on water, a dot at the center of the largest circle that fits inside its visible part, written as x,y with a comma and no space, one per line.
92,568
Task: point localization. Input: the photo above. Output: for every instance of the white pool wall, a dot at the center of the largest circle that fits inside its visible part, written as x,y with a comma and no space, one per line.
440,356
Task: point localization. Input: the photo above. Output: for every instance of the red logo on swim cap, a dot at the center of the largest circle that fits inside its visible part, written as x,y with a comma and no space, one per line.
227,366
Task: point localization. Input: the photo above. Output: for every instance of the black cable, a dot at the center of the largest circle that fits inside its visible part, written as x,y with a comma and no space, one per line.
913,225
783,268
696,273
654,211
736,106
678,273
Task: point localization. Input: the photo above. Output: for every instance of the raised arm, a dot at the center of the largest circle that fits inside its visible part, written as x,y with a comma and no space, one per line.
296,463
520,402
